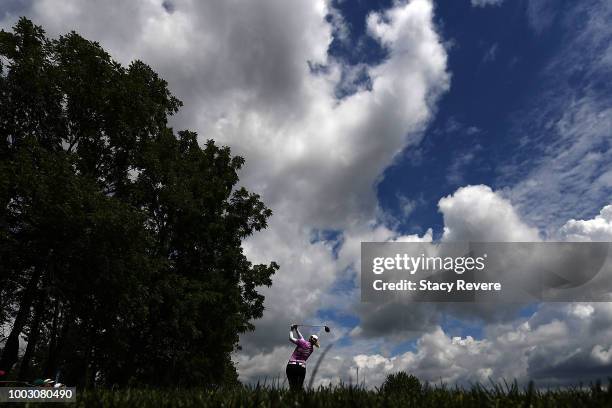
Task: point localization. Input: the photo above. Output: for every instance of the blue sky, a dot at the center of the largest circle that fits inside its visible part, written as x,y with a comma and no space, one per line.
497,61
500,62
494,58
383,120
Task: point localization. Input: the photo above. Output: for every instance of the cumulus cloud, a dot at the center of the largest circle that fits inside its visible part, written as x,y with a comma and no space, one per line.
471,213
314,185
476,213
244,71
558,344
596,229
263,367
601,355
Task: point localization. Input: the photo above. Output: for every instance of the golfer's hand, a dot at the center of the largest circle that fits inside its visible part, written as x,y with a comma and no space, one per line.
294,326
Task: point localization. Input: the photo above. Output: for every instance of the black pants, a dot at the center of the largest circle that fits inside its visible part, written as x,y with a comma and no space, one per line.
295,375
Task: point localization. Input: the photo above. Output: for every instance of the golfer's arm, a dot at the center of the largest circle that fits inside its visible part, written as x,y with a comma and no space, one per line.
291,338
295,339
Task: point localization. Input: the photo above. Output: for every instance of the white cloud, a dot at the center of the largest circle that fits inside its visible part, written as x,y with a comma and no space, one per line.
484,3
407,206
264,367
541,14
558,344
554,346
455,171
562,169
243,71
339,150
476,213
596,229
601,355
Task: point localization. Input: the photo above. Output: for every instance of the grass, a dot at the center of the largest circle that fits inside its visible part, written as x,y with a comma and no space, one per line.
398,395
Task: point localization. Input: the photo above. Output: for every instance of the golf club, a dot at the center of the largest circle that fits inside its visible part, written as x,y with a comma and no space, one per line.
327,329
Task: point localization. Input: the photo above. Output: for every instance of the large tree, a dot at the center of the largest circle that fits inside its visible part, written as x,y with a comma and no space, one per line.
120,241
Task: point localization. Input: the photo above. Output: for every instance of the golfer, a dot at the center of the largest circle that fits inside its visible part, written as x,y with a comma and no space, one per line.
296,367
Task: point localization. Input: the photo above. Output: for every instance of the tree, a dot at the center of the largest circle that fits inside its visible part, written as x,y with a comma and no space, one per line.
120,240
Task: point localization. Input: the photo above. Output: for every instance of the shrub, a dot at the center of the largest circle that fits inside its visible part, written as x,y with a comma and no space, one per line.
401,382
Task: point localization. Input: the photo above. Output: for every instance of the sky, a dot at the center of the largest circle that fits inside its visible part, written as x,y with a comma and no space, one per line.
421,120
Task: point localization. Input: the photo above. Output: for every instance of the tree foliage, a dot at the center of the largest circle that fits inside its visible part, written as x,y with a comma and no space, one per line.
401,383
120,241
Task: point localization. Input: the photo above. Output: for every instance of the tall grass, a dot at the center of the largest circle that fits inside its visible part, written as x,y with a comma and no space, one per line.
414,395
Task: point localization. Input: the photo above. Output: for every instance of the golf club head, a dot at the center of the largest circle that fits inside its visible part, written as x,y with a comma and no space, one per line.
327,329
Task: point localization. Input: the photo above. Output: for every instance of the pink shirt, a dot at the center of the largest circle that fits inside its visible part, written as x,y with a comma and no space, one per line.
302,351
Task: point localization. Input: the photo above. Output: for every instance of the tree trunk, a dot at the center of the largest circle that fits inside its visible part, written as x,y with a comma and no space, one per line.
32,338
11,347
53,364
52,356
